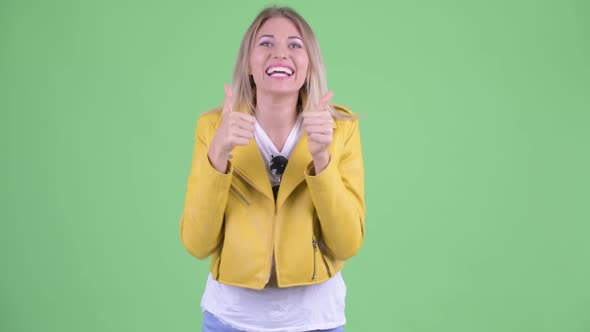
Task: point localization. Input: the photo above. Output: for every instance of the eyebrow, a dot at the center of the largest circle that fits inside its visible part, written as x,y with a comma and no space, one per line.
272,36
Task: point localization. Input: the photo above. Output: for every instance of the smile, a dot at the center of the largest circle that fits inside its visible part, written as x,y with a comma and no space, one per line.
279,71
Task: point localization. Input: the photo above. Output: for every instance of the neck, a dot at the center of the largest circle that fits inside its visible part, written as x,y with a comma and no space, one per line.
276,113
277,116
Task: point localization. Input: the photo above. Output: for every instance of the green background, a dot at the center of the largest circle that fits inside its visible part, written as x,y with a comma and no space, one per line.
475,139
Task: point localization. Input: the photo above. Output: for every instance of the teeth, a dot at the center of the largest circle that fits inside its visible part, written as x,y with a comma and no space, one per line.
285,70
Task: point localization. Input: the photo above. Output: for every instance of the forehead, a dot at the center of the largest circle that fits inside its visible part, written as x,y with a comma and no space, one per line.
278,26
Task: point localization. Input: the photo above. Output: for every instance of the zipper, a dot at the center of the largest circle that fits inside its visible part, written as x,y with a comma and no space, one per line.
218,267
327,266
315,251
321,244
240,196
248,181
241,176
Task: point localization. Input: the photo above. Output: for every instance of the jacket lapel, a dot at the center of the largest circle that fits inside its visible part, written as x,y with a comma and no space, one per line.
295,171
297,167
249,165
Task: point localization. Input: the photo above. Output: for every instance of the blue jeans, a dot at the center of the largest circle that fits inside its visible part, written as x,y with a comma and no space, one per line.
212,324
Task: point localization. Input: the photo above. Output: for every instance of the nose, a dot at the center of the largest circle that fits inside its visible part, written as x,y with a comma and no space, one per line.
279,53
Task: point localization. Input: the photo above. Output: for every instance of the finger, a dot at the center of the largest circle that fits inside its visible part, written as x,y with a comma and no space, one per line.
237,125
324,130
239,121
228,99
245,117
319,138
313,121
241,141
316,115
246,126
328,124
324,101
243,133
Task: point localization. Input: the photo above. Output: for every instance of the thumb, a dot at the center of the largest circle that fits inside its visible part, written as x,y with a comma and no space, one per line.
324,101
228,99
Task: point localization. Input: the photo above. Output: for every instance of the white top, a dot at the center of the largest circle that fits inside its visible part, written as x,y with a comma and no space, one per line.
272,309
268,149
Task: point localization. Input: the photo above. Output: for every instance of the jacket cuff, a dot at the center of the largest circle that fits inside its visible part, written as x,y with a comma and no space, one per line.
323,181
220,180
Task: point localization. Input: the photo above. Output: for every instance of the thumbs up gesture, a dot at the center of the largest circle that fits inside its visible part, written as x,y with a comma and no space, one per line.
319,126
234,130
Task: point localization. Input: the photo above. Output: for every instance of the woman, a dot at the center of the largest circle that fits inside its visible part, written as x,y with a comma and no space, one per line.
275,192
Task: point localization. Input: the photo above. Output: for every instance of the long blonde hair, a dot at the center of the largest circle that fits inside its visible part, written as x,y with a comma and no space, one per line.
315,85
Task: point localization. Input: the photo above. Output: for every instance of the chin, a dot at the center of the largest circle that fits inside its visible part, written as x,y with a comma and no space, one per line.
283,91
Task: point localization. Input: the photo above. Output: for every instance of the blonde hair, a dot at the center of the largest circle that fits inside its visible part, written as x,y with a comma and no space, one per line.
315,86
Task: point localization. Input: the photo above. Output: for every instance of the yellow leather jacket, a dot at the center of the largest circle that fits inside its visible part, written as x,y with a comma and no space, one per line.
316,223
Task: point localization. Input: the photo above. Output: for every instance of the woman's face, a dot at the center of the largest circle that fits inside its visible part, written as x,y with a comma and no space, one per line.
279,60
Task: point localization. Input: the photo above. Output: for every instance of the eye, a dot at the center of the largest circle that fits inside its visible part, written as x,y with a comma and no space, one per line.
265,44
295,45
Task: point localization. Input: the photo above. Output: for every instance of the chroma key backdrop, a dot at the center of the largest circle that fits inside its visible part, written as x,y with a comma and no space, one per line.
475,137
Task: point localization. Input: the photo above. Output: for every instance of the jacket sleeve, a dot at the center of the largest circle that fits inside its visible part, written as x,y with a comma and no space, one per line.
201,225
338,196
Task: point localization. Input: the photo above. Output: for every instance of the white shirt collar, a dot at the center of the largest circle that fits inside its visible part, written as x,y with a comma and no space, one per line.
268,150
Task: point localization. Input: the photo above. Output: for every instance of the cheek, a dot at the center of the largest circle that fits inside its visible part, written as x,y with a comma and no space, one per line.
255,63
303,60
303,66
256,69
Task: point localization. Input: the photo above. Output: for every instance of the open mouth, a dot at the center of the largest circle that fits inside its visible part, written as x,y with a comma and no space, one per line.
279,71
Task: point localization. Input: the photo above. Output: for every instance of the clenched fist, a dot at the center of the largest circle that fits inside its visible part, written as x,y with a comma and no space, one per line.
319,127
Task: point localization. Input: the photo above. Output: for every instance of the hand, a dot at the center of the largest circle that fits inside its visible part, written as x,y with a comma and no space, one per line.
319,126
234,130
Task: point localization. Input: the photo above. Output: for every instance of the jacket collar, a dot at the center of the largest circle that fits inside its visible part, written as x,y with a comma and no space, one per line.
248,163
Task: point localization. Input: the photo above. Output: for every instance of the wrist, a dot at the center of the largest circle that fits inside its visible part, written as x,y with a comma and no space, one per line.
218,159
320,162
